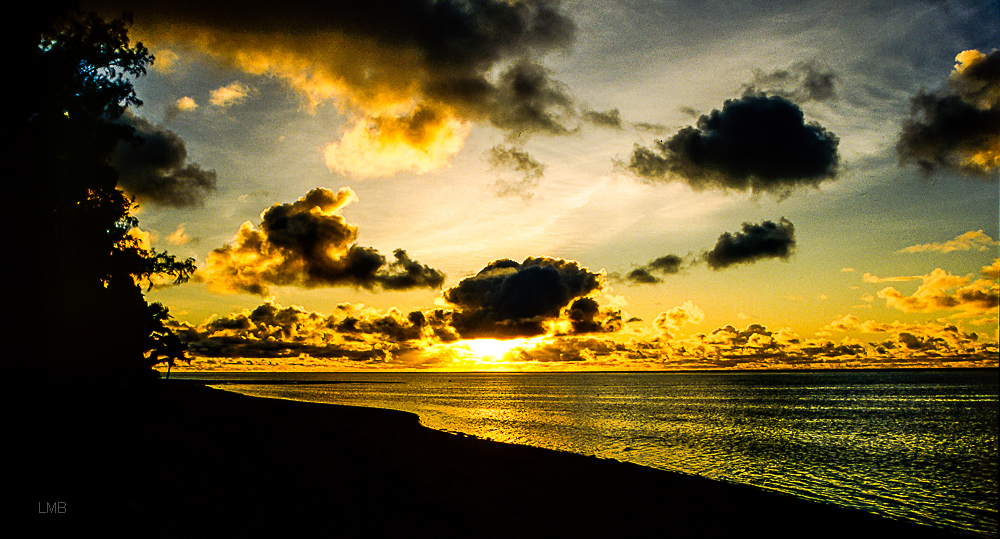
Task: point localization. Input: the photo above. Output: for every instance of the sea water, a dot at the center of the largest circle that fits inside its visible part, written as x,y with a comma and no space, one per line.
916,445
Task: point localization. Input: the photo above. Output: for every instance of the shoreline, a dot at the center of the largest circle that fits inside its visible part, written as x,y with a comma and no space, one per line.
187,458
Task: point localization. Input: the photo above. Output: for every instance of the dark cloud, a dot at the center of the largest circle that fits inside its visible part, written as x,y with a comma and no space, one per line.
753,243
642,276
609,118
957,128
508,298
308,243
444,53
152,167
755,143
586,316
805,81
690,111
448,33
518,161
665,265
657,129
526,100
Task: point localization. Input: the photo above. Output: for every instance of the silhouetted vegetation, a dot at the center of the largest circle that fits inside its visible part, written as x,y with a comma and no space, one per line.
87,270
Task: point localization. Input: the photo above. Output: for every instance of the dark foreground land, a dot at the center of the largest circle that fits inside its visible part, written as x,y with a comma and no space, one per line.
178,459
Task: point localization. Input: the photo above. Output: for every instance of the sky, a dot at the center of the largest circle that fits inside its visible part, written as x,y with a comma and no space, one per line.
577,185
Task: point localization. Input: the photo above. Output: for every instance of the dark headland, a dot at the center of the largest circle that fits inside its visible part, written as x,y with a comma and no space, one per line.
178,459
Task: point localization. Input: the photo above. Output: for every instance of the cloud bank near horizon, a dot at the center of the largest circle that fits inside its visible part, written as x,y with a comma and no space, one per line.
355,337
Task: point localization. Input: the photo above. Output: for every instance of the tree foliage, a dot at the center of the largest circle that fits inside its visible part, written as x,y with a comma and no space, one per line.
87,267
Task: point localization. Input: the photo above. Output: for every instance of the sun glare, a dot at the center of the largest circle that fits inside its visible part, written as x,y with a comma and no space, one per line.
490,354
493,348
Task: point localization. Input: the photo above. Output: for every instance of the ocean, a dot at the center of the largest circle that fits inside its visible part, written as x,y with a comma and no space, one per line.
919,445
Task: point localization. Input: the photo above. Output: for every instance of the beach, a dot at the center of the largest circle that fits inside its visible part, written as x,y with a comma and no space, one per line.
175,458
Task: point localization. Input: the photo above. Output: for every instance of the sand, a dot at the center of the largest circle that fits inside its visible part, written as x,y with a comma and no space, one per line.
175,458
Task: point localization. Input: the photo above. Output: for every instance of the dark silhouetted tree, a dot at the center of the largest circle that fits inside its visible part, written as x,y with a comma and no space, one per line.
86,271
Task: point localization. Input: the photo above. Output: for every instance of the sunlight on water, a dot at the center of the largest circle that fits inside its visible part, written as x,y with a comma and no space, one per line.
915,445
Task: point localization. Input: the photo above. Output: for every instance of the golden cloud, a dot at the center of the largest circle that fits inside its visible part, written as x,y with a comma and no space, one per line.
185,104
973,240
671,321
982,92
382,146
942,291
991,272
179,236
230,94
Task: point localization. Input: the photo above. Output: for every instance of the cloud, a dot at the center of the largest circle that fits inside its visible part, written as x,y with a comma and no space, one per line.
384,145
354,336
351,335
657,129
610,118
669,322
907,345
941,291
308,243
152,167
586,316
871,278
973,240
526,101
518,161
803,81
185,104
910,340
166,61
756,346
385,62
144,238
576,351
755,143
991,272
958,127
231,94
511,299
179,236
755,242
665,265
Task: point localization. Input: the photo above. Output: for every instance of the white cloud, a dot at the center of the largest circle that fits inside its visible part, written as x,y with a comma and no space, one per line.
231,94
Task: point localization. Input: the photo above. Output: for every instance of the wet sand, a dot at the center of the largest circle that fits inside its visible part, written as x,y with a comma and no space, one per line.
179,459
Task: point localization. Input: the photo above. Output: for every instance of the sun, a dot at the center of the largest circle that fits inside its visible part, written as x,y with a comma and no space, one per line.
486,354
494,348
